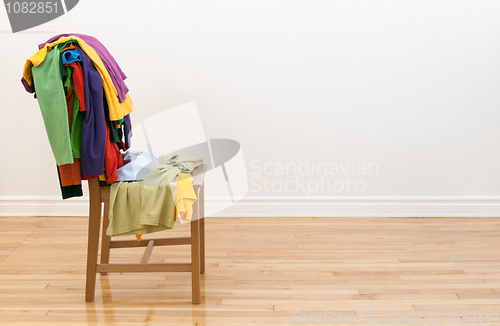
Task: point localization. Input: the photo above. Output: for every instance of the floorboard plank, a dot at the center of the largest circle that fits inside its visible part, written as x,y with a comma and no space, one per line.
258,272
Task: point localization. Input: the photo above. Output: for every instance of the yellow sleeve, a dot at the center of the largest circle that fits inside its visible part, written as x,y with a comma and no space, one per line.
34,60
185,196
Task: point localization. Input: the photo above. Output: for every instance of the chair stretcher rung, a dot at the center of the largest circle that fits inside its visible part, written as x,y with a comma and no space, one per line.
139,268
144,243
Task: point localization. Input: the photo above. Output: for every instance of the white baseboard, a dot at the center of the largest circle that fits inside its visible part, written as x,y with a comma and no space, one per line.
366,206
43,206
340,206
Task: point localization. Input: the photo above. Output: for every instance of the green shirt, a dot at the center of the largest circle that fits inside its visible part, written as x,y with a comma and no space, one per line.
52,102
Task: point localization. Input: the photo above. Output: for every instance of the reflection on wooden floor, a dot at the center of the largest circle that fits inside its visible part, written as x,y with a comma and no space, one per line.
259,271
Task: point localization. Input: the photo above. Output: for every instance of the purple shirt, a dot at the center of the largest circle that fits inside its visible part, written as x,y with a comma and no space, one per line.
127,126
111,65
94,128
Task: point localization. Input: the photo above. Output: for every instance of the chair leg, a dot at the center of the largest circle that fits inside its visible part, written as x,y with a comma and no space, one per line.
202,229
195,255
202,245
105,239
93,238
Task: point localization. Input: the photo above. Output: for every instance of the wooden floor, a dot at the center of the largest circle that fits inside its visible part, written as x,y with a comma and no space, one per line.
259,272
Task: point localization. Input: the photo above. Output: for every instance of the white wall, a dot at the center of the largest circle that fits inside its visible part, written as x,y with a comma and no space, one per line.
410,86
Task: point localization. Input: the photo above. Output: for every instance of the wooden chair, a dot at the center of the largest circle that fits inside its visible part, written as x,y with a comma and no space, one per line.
99,193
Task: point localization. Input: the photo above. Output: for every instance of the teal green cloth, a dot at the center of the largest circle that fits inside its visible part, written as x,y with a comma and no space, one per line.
115,134
142,207
66,78
52,102
77,127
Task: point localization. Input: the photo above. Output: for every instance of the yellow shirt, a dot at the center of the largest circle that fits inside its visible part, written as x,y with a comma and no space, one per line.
185,196
117,110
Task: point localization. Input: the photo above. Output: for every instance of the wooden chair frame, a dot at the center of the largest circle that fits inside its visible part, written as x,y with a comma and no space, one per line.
99,193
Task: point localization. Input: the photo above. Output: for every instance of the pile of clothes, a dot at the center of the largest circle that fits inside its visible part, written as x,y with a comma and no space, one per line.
86,110
85,107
